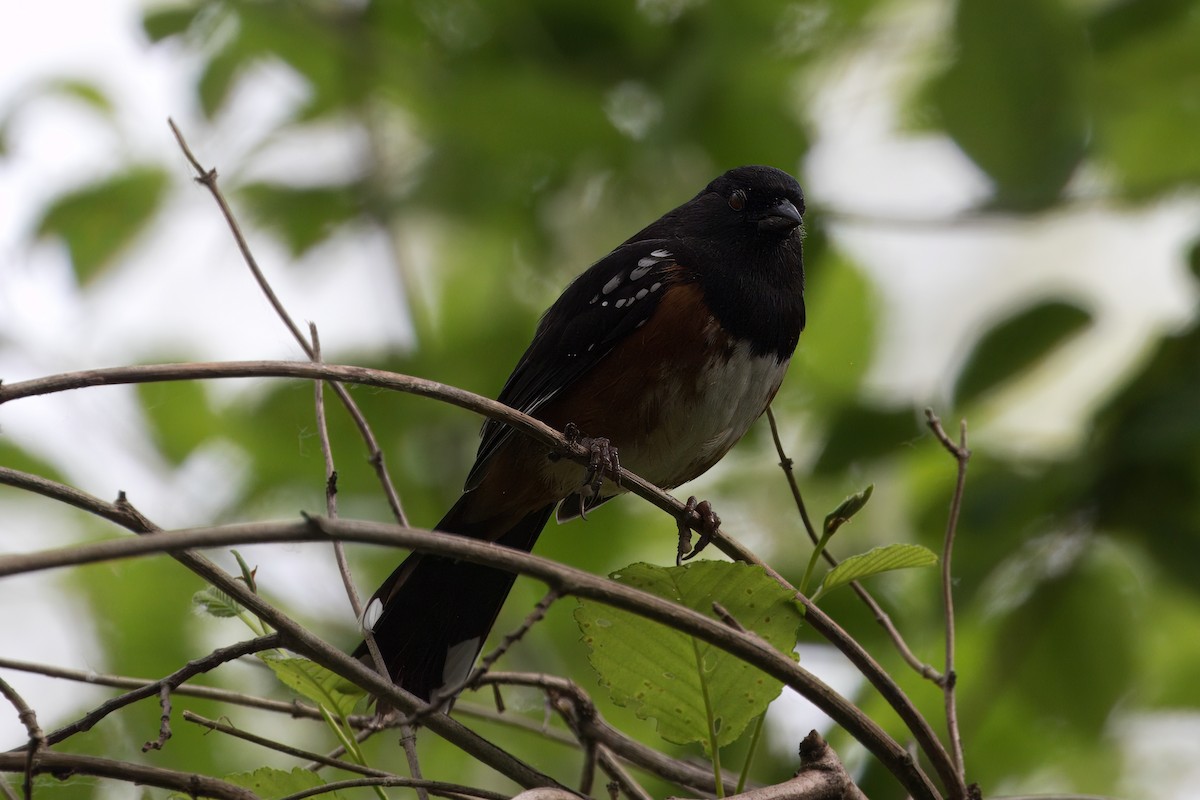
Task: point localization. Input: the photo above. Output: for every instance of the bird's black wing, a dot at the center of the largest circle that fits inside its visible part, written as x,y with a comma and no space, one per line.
609,301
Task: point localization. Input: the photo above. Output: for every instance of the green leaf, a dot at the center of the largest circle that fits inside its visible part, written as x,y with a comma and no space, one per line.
879,559
100,220
179,416
847,509
1017,62
212,601
859,432
667,675
271,784
84,91
1145,73
1016,344
314,682
161,23
302,216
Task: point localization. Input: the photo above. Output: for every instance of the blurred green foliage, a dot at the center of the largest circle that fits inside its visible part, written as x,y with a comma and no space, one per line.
552,130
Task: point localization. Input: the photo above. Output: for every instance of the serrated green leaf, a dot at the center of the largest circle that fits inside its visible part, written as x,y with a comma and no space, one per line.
99,220
271,784
1016,344
667,675
880,559
212,601
847,509
313,682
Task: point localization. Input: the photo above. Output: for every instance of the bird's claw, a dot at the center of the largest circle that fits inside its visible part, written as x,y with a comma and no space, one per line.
707,522
603,462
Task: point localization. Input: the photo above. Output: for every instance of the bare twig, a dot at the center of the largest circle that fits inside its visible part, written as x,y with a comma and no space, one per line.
67,764
407,736
432,787
587,724
279,747
164,725
208,179
724,615
881,616
556,442
214,659
566,579
300,639
961,456
294,708
37,738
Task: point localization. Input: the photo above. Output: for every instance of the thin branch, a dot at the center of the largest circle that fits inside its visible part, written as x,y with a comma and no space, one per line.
555,442
208,179
279,747
300,639
620,776
433,787
566,579
164,725
37,738
586,722
64,765
961,456
881,616
294,708
214,659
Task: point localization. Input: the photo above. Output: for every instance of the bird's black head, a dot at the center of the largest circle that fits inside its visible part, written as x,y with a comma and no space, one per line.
754,200
743,236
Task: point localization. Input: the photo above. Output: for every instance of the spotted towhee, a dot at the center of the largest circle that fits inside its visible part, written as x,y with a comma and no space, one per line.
669,347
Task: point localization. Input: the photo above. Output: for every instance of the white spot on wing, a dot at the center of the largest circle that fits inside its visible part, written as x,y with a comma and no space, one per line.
619,303
641,271
657,285
647,261
661,254
459,660
641,293
371,614
612,284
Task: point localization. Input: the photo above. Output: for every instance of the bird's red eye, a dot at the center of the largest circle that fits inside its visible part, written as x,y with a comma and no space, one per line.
737,200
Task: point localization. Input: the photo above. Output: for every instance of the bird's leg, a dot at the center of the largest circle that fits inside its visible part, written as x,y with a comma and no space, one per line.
603,462
709,523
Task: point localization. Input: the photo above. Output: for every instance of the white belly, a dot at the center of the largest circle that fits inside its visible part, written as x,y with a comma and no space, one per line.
731,395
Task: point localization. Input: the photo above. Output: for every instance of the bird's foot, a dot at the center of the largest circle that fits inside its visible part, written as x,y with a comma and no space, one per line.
603,462
701,515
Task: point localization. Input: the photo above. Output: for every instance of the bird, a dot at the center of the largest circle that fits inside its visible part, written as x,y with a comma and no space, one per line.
658,358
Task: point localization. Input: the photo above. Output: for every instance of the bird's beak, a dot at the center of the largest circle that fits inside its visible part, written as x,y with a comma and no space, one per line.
781,218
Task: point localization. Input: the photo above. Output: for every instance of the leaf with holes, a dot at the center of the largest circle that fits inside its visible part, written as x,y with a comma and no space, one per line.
696,692
875,561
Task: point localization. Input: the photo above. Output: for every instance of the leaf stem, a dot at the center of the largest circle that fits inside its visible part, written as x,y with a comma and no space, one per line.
754,739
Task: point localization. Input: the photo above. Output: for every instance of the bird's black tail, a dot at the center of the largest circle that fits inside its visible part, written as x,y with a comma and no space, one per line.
437,612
